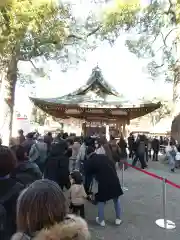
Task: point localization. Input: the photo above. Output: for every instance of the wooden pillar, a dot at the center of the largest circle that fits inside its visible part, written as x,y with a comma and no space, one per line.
124,129
84,129
107,132
128,127
119,127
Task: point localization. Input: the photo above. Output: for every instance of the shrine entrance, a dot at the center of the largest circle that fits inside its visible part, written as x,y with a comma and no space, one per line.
98,105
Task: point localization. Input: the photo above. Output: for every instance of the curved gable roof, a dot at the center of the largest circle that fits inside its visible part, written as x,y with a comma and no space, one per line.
96,80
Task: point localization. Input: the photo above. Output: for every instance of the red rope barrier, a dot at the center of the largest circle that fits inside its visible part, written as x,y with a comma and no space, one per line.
173,184
154,176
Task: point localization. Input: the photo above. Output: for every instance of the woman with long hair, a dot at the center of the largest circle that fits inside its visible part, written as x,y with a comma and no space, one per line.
42,215
103,170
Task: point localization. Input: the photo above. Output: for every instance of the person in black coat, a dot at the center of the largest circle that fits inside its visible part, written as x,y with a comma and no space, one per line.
123,153
27,144
155,146
26,172
109,187
9,192
131,141
57,166
140,147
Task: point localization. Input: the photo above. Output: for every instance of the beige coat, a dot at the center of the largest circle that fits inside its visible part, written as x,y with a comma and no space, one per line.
77,194
75,228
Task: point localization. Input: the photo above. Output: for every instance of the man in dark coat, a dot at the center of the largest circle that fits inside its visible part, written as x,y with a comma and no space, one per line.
21,137
140,152
109,187
27,144
25,172
131,141
48,139
155,146
57,166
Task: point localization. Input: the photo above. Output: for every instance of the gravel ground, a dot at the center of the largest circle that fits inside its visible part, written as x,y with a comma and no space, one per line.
141,206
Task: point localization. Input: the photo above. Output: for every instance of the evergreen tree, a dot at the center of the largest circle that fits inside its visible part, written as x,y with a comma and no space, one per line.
31,29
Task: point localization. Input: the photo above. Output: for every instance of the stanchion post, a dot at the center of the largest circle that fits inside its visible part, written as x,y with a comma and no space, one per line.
122,181
164,201
164,223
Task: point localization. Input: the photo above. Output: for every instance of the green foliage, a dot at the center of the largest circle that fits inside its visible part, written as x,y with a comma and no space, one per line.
122,14
155,41
32,28
178,11
38,116
164,111
152,29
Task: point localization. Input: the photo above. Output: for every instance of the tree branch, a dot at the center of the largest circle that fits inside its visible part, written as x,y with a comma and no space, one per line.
33,64
165,39
87,35
6,18
35,53
74,36
171,11
94,31
159,66
154,39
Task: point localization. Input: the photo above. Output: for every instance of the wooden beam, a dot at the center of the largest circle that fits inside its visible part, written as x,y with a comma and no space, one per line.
84,113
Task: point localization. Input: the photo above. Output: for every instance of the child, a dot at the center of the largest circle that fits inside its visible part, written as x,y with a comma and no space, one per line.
77,193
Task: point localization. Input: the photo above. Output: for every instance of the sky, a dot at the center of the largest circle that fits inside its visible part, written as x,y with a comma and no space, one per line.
120,68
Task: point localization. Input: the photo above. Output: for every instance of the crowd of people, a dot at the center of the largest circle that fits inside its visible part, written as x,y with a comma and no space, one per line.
145,148
46,179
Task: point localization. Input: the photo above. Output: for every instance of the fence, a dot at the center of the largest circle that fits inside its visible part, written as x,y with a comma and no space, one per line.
164,222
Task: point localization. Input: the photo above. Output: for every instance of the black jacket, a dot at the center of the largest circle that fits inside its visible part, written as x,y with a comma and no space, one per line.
155,144
27,144
6,186
57,166
105,173
123,145
26,173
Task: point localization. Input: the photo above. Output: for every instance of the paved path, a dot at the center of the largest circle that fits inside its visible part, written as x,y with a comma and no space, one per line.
141,206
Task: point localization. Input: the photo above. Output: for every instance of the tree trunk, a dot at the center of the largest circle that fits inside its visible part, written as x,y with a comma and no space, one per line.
9,80
11,85
175,127
176,90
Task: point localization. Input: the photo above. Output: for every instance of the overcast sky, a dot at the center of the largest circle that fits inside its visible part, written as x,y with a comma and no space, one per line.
120,68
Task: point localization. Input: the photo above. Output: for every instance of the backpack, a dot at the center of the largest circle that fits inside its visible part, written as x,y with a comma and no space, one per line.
3,213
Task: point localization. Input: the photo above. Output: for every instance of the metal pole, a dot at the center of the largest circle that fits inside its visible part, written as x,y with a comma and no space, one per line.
164,223
122,181
164,201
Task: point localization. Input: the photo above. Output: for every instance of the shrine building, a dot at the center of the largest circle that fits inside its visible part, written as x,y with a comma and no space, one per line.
97,104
